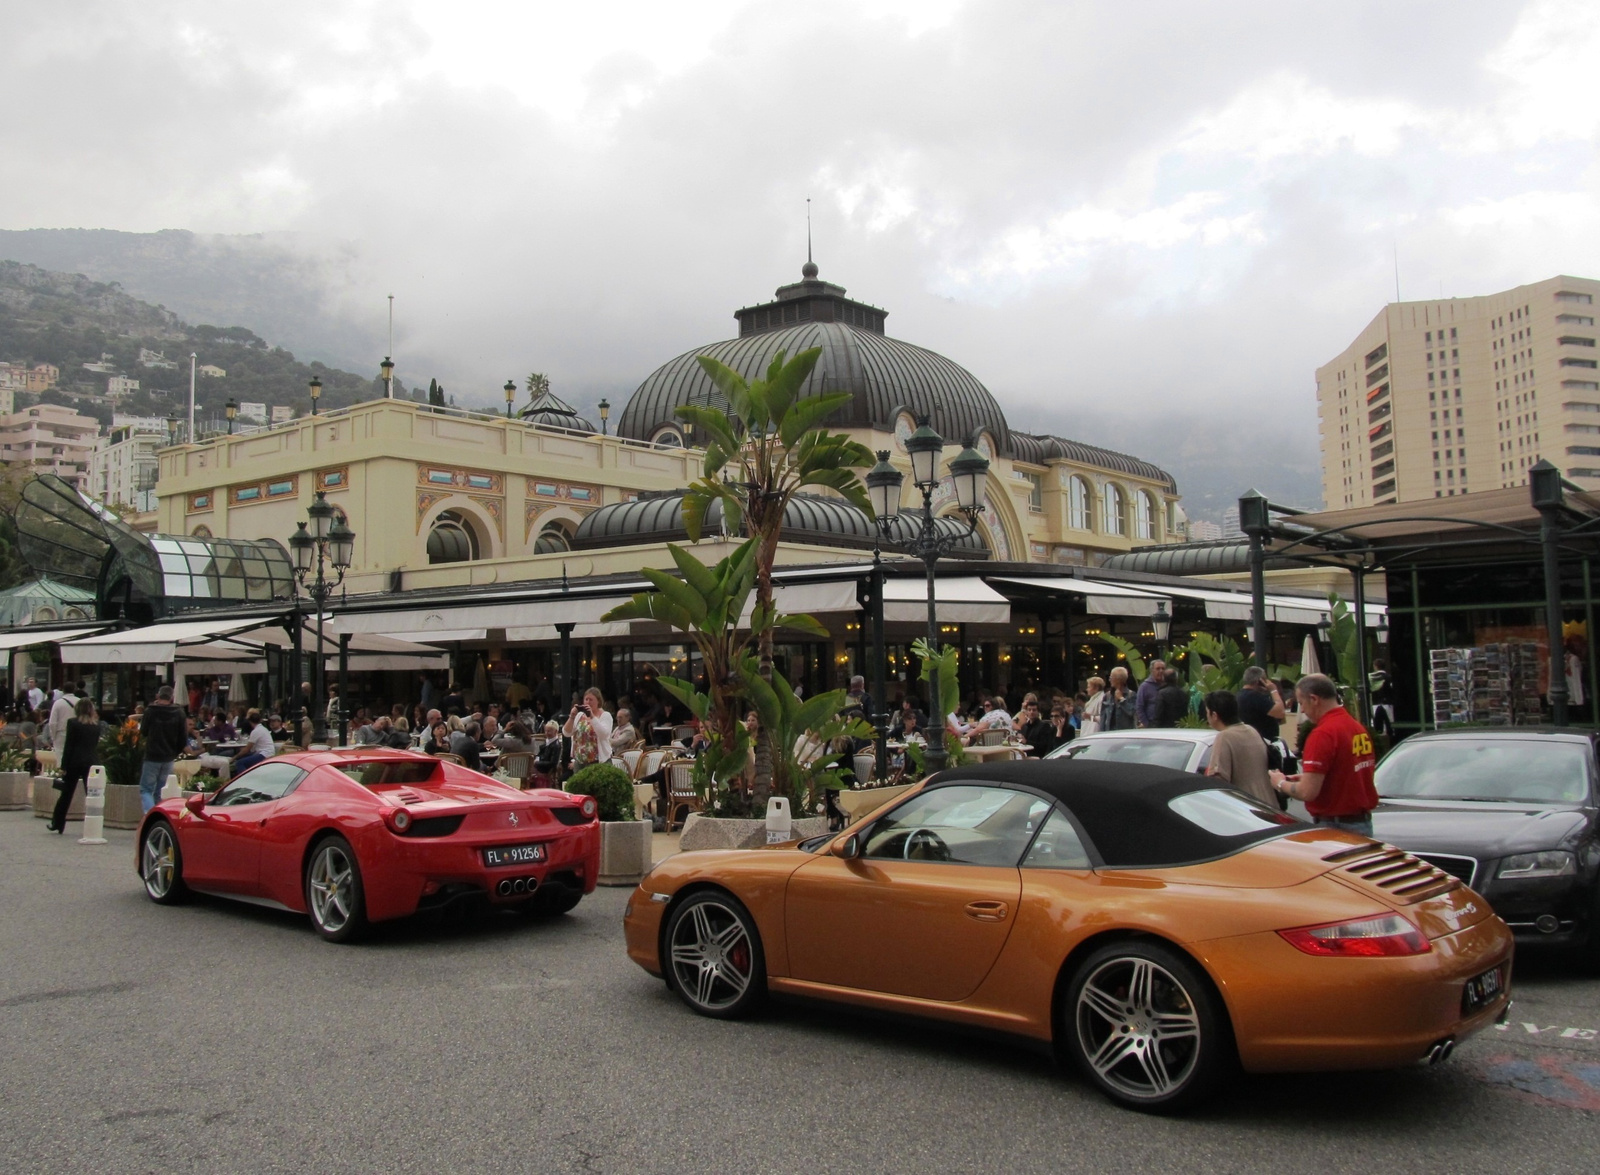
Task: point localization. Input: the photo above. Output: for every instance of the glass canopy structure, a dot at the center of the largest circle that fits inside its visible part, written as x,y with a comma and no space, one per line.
134,576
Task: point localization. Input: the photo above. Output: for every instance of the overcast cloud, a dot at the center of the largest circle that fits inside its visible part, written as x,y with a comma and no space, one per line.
1140,224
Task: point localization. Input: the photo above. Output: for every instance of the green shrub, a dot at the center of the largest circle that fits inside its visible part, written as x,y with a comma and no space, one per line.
610,787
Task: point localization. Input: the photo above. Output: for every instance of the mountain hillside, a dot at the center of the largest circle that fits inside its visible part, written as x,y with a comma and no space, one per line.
70,320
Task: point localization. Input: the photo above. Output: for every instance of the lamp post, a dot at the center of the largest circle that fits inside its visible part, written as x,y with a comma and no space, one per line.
1161,627
1255,521
511,394
1549,498
605,415
387,367
328,542
967,473
316,393
232,411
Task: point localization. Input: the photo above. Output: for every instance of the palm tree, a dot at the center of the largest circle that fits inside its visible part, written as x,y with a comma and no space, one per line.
770,445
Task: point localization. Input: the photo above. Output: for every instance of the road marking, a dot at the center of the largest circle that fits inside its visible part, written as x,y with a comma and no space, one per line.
1552,1031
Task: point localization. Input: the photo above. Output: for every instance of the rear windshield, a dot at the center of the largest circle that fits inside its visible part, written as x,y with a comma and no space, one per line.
389,771
1158,752
1228,813
1517,769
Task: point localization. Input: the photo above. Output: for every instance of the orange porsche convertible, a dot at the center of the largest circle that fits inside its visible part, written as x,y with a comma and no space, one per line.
1153,926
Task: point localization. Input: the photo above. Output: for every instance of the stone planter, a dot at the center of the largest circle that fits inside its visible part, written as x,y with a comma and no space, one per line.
122,806
707,832
45,796
16,791
625,851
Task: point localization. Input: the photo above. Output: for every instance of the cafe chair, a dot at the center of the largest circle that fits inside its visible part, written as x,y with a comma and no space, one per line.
681,796
518,765
990,738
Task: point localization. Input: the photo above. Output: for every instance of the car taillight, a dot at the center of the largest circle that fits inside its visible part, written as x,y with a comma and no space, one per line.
399,820
590,807
1386,935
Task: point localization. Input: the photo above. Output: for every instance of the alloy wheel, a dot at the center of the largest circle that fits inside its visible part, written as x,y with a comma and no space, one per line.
159,862
332,888
1139,1028
712,956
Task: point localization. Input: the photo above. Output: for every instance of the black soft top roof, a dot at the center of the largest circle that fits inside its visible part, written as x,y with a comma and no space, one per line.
1123,807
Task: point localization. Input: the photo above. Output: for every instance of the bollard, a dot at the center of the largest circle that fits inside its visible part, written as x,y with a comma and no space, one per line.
173,789
94,808
778,823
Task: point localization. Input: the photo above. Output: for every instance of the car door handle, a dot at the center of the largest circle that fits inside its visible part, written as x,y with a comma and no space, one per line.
987,911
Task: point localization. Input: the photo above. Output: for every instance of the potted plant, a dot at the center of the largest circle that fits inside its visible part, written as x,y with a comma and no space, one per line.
203,781
16,788
625,843
121,753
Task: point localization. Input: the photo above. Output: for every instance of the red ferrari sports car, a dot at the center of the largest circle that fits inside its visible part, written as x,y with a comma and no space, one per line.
364,835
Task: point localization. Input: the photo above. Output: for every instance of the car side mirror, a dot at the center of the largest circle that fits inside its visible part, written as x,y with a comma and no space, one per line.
847,849
195,802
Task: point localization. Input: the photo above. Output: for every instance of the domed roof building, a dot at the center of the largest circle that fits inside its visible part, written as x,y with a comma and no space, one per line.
551,411
1051,499
887,376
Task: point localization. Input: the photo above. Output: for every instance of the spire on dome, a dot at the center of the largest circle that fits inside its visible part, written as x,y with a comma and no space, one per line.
808,271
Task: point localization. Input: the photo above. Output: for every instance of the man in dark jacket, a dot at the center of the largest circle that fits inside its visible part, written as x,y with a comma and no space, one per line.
165,731
1172,701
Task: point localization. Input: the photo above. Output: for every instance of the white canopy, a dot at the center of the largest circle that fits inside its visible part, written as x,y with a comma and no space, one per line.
464,622
963,599
154,644
21,638
1100,599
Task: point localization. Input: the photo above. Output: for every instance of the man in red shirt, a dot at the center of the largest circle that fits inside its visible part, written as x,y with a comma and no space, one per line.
1336,761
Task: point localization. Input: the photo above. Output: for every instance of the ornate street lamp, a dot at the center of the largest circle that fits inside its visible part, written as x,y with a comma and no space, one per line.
1161,626
232,410
316,393
1382,629
511,394
967,474
323,541
387,367
605,415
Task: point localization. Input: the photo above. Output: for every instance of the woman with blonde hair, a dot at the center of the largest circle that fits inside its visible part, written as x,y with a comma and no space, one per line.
589,727
1090,722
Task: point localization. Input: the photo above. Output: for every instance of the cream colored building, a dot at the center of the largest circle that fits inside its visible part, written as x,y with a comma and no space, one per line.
53,439
1438,398
442,498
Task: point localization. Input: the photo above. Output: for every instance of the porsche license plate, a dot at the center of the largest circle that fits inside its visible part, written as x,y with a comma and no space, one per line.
1481,990
513,855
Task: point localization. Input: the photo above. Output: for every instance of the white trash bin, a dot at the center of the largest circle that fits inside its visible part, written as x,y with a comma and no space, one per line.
778,821
94,808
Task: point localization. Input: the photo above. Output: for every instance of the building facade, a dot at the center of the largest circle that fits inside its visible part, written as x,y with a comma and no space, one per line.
1437,398
122,471
21,377
51,438
441,498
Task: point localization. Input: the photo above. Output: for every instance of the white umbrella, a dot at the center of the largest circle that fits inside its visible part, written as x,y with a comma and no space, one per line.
1308,657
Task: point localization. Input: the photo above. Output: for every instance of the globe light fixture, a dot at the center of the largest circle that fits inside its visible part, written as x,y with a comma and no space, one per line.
968,471
883,488
924,447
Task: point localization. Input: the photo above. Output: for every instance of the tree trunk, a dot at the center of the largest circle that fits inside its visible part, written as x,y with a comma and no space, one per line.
766,554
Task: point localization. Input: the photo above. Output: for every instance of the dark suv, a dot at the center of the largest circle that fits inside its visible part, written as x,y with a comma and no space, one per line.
1512,812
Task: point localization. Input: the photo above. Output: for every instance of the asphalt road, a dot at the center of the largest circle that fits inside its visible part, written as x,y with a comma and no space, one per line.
217,1037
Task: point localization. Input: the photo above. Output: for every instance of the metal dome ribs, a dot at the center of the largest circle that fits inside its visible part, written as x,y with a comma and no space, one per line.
884,375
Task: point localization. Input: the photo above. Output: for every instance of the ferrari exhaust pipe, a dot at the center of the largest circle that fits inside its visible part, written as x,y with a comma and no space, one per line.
504,888
1441,1050
519,886
533,884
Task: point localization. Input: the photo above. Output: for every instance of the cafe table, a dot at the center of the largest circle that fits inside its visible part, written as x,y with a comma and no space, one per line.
998,752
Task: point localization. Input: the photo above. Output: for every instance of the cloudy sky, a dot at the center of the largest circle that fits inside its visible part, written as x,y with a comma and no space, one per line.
1142,224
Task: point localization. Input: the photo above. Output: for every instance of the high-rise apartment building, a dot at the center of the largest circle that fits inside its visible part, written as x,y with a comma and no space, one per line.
1441,397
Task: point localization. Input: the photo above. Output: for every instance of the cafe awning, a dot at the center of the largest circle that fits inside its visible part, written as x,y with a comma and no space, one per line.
959,599
1099,599
22,638
154,644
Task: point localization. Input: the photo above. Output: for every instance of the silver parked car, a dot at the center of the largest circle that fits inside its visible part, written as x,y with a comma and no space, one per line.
1181,749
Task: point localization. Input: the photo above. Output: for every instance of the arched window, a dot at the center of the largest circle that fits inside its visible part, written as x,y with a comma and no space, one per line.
552,538
1115,523
668,438
1078,504
1144,519
452,539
